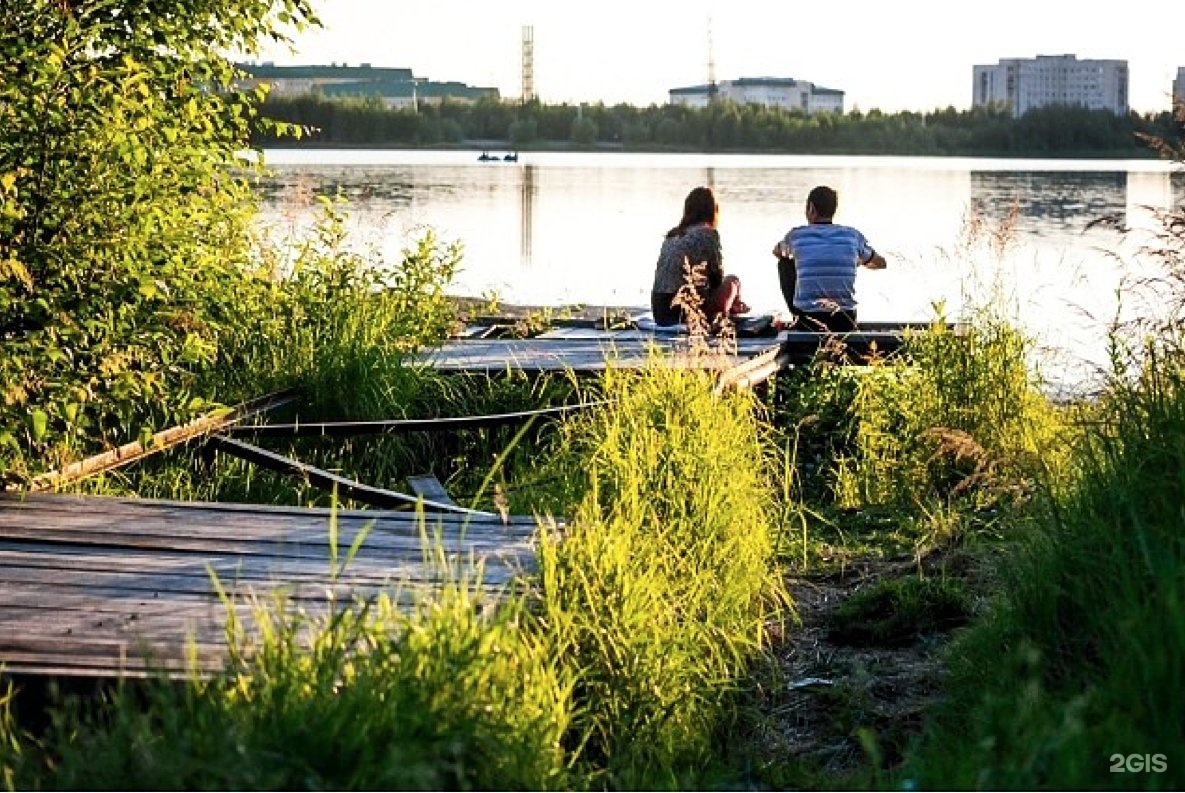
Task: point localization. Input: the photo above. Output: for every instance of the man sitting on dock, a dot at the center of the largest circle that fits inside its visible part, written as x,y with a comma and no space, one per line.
817,266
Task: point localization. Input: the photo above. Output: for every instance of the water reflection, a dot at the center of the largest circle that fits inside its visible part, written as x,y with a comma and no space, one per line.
1040,200
558,228
527,223
391,186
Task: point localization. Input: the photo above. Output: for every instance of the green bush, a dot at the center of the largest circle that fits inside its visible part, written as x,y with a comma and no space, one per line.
125,222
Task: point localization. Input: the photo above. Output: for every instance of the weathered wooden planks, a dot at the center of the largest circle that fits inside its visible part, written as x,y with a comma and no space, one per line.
586,350
101,586
579,355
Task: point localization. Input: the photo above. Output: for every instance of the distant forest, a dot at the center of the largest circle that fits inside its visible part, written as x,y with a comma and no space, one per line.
1059,131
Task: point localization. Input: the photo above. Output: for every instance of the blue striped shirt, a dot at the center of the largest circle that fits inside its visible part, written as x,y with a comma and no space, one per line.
826,256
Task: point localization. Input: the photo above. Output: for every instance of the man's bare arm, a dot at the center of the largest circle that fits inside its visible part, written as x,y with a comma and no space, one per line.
877,262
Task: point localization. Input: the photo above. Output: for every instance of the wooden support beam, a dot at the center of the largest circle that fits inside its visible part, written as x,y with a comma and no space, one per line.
429,488
350,429
131,452
346,488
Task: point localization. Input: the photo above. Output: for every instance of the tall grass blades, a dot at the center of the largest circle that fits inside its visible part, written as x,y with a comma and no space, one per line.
961,414
661,589
1082,661
320,317
335,320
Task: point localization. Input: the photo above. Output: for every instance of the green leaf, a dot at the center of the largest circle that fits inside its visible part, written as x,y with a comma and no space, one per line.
38,423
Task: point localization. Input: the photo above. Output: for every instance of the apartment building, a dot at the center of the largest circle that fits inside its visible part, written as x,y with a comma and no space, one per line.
1022,84
782,92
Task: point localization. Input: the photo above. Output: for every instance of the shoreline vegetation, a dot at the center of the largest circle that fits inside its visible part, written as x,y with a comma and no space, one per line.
1056,131
476,147
920,574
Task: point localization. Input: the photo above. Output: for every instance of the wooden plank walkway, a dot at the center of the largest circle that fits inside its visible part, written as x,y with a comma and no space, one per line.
580,354
587,350
103,587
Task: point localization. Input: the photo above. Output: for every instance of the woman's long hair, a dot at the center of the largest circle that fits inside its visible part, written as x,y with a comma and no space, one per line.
699,207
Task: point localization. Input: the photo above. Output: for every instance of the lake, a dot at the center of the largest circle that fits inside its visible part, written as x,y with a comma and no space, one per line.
559,228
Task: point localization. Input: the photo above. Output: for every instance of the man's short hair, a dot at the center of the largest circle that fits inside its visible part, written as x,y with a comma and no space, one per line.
825,201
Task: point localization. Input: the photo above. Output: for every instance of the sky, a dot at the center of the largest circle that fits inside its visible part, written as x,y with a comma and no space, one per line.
904,55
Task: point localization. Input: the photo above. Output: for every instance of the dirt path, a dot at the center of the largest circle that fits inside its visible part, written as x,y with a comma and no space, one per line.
833,704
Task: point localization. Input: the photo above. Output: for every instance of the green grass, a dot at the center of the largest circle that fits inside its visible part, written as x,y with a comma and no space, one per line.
455,695
896,612
1080,660
945,444
1082,657
663,586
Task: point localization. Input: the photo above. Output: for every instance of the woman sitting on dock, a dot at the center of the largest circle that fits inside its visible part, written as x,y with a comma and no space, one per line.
695,243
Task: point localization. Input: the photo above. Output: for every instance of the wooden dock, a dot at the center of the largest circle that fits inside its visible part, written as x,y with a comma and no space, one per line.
583,350
102,587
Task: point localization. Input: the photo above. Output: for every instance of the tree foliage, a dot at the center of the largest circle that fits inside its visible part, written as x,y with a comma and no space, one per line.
1050,131
125,211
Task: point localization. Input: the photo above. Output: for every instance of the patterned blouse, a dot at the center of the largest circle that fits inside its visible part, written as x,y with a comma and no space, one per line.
698,245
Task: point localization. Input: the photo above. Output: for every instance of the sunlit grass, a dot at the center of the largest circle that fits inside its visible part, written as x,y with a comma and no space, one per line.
615,666
664,584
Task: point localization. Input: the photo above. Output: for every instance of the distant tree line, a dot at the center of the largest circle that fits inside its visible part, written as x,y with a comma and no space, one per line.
726,126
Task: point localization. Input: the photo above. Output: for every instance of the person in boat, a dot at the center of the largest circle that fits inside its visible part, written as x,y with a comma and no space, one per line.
692,250
817,265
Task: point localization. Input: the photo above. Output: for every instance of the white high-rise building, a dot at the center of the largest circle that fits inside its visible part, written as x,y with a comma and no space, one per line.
1179,87
783,92
1021,84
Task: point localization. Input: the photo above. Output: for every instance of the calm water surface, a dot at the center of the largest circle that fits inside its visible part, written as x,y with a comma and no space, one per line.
563,228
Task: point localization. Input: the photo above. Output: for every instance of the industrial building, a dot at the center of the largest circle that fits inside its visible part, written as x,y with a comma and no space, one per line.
1022,84
781,92
396,87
